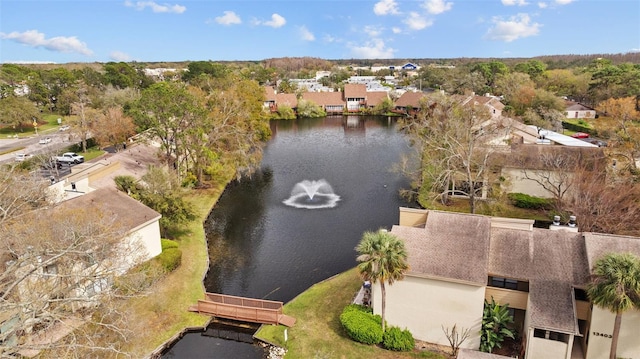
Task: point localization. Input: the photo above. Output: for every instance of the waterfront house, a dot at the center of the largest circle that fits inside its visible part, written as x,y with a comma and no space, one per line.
457,261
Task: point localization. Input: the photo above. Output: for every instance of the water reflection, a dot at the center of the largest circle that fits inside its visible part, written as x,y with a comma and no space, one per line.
261,248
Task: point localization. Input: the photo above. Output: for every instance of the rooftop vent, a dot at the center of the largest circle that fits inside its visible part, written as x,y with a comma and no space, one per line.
570,226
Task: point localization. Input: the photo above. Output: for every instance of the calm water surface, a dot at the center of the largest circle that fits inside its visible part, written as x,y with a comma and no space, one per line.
262,248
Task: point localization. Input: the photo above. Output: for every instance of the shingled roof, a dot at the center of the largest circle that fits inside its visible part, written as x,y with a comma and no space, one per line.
410,99
447,240
355,91
536,157
324,98
117,205
467,248
374,98
288,99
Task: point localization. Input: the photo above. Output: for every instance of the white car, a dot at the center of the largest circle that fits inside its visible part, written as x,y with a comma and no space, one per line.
22,157
44,141
63,128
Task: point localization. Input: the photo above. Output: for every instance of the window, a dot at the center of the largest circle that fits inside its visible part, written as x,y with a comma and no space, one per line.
503,283
551,335
580,294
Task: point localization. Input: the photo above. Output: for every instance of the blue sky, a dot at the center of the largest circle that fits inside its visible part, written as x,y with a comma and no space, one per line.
180,30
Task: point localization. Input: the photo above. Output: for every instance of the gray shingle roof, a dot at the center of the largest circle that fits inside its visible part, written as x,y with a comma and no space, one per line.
126,210
447,240
598,244
463,247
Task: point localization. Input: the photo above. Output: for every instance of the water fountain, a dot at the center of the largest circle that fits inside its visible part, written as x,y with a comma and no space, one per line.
312,195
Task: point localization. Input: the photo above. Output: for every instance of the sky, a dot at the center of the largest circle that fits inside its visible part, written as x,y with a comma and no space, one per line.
62,31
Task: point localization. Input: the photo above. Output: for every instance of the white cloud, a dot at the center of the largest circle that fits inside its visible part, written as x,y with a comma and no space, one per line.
437,6
373,49
396,30
635,50
417,22
275,22
515,27
328,38
155,7
119,56
542,5
564,2
386,7
514,2
372,30
229,18
305,34
34,38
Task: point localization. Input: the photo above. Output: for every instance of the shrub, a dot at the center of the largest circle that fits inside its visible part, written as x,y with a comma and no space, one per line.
170,259
190,180
361,325
167,243
522,200
398,340
126,184
285,113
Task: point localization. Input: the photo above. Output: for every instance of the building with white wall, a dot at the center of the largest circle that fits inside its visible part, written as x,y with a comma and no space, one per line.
459,260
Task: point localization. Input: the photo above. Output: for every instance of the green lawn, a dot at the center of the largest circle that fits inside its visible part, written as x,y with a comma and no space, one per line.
318,332
164,312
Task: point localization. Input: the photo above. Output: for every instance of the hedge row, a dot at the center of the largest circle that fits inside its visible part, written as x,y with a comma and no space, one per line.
578,128
398,340
361,325
522,200
364,327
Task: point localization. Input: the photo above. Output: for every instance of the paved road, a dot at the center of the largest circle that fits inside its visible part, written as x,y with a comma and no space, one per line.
30,145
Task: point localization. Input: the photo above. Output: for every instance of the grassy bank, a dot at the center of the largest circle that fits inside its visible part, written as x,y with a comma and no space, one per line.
318,332
163,313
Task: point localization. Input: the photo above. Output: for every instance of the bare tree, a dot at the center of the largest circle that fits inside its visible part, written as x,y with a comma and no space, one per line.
605,205
62,269
456,337
20,193
456,139
554,168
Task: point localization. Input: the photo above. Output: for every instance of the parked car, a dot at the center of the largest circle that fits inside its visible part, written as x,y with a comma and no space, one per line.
69,158
23,157
44,141
63,128
580,135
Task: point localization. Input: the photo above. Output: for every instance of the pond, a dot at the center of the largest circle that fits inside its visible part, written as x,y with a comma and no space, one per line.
321,184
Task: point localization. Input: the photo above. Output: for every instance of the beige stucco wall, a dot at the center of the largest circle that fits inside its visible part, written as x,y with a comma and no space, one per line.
602,328
149,236
412,217
540,348
424,305
515,299
581,114
519,184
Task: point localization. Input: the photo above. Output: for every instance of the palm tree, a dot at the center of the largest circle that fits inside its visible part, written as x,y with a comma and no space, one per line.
615,285
382,257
